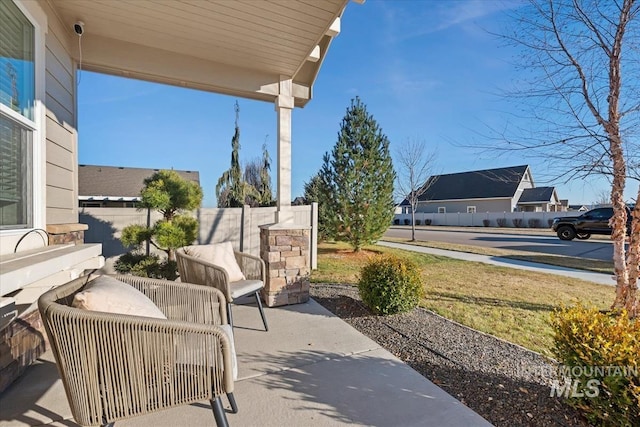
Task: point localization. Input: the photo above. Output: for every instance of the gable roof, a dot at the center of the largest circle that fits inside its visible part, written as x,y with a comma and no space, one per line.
481,184
537,195
113,182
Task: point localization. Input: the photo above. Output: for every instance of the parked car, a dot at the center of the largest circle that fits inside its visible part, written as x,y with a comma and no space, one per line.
595,221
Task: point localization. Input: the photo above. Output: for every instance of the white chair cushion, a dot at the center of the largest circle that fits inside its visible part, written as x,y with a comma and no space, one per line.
220,254
109,295
244,287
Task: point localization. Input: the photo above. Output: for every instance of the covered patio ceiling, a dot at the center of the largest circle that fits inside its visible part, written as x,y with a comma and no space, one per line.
240,48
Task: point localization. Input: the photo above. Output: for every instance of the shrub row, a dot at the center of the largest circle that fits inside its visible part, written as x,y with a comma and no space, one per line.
601,356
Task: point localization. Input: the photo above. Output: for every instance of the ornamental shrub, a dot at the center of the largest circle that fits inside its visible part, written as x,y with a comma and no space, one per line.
534,223
143,265
390,285
502,222
486,222
603,348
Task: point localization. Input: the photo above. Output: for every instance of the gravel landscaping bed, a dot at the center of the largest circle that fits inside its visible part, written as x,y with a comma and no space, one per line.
506,384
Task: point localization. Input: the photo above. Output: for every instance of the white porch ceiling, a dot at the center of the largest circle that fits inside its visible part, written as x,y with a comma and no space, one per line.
238,47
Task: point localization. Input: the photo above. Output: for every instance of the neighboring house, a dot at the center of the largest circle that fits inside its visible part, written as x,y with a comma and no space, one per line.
539,199
579,208
506,189
116,187
263,51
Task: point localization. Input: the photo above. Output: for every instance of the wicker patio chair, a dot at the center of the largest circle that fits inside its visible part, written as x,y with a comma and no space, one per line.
117,366
201,271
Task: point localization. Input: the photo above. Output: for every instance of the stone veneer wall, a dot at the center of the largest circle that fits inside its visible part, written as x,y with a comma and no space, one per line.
287,258
66,233
21,343
25,339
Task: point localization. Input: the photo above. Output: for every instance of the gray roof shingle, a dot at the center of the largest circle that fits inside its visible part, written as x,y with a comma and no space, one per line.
482,184
113,181
536,195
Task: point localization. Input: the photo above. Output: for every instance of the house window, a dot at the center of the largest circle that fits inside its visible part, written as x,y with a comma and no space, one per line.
471,209
17,125
442,209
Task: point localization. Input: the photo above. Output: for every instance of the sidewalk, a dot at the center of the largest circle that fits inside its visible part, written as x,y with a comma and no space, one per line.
603,279
311,369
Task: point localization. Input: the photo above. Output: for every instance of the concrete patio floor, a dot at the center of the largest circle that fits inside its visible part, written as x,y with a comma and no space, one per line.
310,369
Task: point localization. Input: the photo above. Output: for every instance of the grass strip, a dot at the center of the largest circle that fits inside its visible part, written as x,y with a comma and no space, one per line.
597,266
508,303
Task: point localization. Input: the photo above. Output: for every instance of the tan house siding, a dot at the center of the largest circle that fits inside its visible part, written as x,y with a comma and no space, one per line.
61,133
452,206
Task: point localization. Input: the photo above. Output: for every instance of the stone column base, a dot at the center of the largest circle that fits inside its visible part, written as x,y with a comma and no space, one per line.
285,251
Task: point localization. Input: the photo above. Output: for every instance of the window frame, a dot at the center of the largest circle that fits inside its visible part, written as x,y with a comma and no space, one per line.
442,209
37,214
471,209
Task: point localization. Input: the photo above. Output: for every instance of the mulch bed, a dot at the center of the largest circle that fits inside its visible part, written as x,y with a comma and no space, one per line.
506,384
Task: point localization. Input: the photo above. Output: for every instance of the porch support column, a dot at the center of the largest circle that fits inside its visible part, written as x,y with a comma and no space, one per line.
285,246
284,108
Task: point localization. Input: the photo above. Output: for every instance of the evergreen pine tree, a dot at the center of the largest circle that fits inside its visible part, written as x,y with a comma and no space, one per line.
316,191
264,189
359,179
231,182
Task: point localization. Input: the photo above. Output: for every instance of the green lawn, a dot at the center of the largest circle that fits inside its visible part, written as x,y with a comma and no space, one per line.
508,303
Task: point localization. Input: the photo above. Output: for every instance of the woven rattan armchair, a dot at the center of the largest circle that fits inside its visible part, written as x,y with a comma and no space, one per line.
198,270
116,366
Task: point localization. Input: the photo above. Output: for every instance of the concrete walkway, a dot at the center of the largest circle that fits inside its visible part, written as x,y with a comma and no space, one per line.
603,279
310,369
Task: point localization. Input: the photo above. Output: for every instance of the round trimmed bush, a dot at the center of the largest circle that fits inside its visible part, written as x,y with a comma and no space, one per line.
390,285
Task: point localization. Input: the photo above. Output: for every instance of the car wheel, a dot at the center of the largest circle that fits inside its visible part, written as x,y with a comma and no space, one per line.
566,233
583,236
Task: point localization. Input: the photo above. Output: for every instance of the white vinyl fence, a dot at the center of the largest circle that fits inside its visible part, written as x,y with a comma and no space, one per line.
486,219
241,226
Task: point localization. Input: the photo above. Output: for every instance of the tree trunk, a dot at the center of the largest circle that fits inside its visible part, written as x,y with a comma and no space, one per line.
631,303
413,225
618,221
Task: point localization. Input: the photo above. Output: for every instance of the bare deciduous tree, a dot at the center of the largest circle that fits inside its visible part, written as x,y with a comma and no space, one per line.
583,59
414,167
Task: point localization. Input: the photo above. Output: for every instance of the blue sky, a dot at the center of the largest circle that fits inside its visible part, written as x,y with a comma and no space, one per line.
427,70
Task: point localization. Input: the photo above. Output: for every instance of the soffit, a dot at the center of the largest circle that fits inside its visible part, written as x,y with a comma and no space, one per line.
269,37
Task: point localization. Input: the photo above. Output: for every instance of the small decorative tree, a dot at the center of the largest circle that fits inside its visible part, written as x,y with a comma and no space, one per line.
170,194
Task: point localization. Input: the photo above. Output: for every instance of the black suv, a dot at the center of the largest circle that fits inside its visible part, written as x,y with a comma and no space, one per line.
596,221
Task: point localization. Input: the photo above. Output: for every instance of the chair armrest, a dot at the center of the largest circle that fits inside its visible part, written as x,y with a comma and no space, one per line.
252,267
182,301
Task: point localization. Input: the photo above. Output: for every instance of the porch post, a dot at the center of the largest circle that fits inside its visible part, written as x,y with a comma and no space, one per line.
284,108
285,246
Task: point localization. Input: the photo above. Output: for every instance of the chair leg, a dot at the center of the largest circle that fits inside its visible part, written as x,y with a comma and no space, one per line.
264,319
232,402
229,315
218,412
